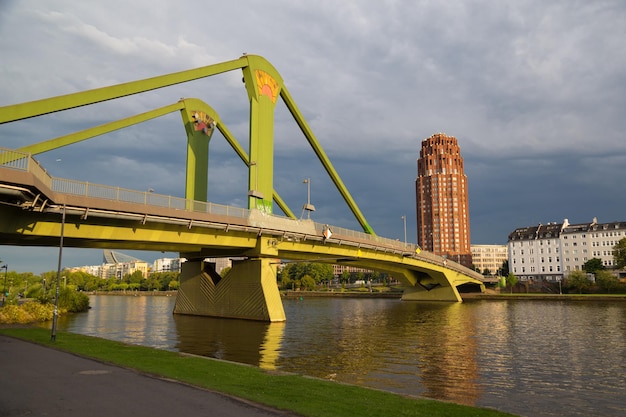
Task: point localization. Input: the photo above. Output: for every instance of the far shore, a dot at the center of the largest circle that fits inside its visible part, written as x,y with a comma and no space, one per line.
493,296
541,296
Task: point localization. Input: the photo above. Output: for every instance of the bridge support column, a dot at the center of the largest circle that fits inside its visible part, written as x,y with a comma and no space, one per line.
248,291
433,286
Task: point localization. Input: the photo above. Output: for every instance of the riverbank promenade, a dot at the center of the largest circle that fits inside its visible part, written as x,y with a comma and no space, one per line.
41,381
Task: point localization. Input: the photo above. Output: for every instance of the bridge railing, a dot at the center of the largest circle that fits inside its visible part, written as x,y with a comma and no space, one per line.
87,189
23,161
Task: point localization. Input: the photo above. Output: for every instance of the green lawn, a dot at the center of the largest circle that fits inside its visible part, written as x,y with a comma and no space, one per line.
303,395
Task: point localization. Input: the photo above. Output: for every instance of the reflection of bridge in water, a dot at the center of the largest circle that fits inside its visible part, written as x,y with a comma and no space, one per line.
37,208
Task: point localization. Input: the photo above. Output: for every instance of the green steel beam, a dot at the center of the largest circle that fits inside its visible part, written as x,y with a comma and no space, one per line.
196,104
199,125
69,101
308,133
75,137
263,84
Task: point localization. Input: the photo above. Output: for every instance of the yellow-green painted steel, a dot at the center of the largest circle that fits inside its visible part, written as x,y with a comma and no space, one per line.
70,101
255,276
95,131
423,280
263,84
198,137
308,133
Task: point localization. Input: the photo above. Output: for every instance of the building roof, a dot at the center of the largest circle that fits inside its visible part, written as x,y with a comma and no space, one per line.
111,257
554,230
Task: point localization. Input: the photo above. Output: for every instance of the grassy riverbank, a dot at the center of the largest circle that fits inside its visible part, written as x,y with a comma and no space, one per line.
303,395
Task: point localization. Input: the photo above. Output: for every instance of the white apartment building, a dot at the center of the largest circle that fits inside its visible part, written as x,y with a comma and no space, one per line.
550,252
489,257
167,264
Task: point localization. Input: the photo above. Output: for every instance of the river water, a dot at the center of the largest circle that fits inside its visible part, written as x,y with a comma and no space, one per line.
532,358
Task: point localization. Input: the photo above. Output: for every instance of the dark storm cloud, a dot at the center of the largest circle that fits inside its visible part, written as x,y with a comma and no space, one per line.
534,91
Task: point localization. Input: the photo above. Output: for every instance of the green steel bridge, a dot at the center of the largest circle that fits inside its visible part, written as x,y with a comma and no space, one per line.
37,209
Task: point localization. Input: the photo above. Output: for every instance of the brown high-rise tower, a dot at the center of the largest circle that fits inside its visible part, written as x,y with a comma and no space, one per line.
443,225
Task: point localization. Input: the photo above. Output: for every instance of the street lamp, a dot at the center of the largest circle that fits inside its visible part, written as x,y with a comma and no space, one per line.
55,315
4,288
255,193
308,206
404,220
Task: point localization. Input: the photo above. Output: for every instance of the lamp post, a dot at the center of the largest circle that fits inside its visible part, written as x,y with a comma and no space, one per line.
404,220
255,193
308,207
4,288
53,335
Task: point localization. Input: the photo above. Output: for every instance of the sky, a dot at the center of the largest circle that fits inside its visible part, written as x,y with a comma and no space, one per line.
534,92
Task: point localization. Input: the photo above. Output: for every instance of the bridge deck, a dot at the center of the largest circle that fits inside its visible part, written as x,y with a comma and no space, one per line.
24,184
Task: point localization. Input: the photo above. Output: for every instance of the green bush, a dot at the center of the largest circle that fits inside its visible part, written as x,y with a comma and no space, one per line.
73,301
29,312
38,311
13,314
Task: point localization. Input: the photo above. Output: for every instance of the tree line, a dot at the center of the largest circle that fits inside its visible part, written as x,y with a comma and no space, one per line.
29,285
310,276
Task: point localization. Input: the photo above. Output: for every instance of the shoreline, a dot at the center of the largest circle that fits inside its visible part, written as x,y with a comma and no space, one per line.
398,295
544,297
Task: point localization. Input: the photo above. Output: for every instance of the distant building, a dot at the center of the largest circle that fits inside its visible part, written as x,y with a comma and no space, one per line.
339,269
221,263
489,257
115,264
167,265
443,224
550,252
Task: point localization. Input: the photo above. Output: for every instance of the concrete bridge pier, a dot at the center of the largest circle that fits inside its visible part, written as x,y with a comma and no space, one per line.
248,291
434,294
431,286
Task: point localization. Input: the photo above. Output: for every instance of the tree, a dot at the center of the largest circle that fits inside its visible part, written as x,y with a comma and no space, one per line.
619,254
504,269
606,280
511,280
486,272
307,282
593,265
134,278
345,276
578,280
316,271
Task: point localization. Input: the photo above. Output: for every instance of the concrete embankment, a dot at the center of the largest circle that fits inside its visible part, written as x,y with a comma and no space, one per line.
544,297
340,294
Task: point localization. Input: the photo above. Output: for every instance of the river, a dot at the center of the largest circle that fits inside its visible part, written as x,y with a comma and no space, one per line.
532,358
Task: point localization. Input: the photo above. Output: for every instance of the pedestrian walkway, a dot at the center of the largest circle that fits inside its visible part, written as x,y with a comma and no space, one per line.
41,381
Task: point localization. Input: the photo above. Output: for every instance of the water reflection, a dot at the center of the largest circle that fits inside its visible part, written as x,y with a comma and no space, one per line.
142,320
243,341
532,358
426,349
